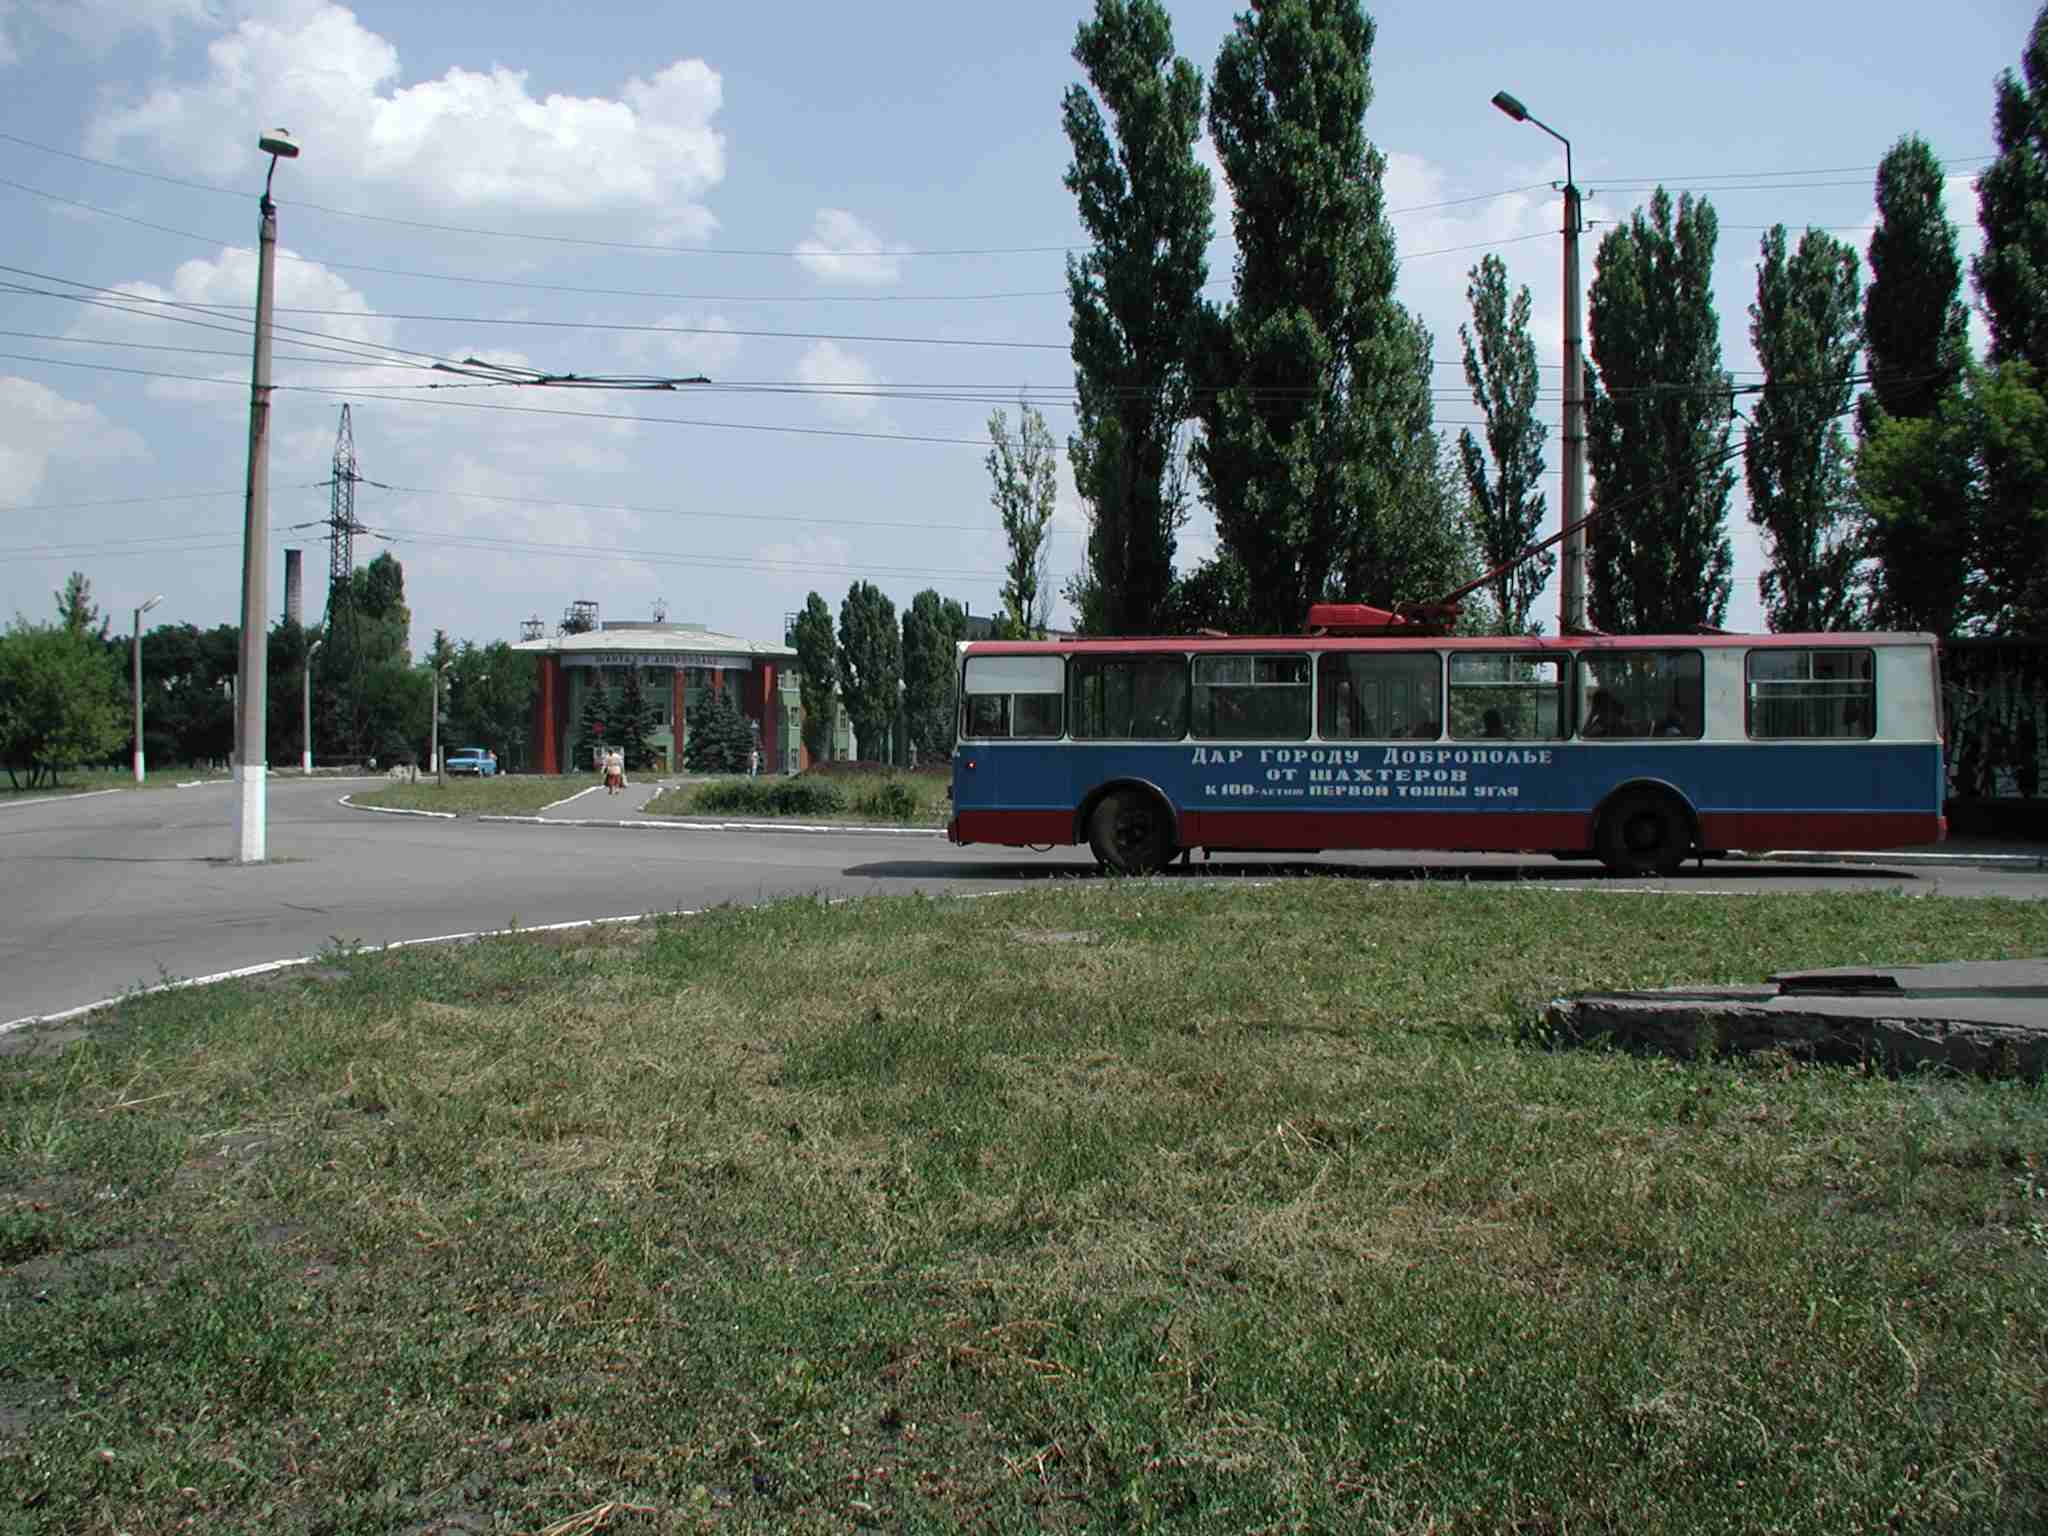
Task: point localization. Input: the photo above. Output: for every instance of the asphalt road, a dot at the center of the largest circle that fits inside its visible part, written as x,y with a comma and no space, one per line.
109,892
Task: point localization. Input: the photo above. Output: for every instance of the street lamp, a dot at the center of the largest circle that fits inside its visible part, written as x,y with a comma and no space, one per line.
1572,590
253,686
306,708
139,612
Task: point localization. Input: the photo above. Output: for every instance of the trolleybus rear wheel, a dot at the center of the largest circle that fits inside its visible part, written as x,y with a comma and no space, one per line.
1130,833
1644,832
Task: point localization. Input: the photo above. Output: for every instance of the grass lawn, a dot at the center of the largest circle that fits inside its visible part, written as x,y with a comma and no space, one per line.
1122,1205
504,794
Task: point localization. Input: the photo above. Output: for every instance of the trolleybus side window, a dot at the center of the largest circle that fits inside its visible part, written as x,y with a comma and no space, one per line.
1633,694
1011,696
1378,695
1127,698
1240,698
1807,695
1506,695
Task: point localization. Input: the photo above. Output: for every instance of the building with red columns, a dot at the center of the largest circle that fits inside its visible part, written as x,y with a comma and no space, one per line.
681,667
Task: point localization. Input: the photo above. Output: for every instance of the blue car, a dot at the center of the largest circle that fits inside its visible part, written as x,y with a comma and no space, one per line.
474,760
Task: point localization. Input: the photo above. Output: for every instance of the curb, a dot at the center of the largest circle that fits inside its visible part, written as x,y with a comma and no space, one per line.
1956,860
392,810
667,824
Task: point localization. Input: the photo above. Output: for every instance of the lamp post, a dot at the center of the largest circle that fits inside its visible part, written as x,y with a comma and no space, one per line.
139,612
306,708
1572,590
253,685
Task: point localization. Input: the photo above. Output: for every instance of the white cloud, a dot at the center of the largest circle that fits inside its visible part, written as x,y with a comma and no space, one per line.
152,316
469,140
38,425
682,342
827,365
846,250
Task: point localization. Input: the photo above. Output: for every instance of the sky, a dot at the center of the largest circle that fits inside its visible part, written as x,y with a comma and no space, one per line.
850,219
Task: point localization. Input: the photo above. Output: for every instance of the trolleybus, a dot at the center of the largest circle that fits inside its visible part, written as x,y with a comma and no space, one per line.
1641,751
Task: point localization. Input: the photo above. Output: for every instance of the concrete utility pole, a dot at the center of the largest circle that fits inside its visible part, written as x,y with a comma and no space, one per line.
139,612
306,708
434,732
253,686
1572,585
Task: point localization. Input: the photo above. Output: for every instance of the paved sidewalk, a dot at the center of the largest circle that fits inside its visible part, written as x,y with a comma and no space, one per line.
594,804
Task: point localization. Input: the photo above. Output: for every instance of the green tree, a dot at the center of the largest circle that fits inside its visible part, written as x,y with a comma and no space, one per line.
76,610
634,722
1507,507
1987,445
1317,437
2012,207
1915,329
721,738
1658,437
1805,327
932,626
60,701
1024,476
870,666
1916,348
1145,201
368,699
594,728
817,659
491,700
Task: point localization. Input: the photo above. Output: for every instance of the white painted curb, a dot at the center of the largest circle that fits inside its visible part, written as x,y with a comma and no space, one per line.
392,810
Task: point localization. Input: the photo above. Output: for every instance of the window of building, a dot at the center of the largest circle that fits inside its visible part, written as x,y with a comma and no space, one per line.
1634,694
1127,698
1507,696
1245,698
1012,696
1378,695
1807,695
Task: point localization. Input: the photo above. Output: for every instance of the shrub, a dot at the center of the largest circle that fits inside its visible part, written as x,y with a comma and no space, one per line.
771,797
890,800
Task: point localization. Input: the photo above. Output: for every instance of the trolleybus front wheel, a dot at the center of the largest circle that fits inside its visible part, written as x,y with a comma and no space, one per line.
1644,832
1130,833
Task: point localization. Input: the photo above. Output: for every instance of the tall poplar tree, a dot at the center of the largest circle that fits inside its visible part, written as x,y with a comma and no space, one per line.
817,660
1507,507
1024,482
2012,206
1145,201
1916,348
1806,328
1317,439
1660,423
932,626
870,666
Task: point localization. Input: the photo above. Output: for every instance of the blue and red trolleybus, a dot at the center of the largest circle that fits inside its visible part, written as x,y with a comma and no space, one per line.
1641,751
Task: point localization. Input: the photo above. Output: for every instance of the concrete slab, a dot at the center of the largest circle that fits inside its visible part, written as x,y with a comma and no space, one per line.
1987,1017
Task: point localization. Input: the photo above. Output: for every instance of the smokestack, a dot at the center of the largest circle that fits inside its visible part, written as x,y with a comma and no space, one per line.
294,582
